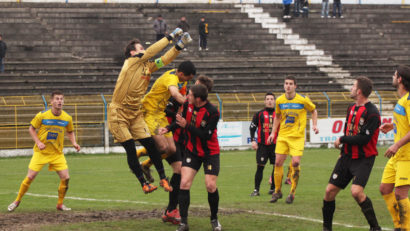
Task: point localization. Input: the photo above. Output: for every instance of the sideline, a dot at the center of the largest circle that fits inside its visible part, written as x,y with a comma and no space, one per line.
198,206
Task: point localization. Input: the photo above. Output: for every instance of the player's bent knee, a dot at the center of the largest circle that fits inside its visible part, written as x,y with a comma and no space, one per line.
185,185
385,189
211,188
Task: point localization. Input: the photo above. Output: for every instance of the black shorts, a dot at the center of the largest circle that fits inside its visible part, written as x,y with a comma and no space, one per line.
211,163
347,169
177,156
265,152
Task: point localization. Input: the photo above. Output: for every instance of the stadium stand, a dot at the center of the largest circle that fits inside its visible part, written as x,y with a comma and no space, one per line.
78,48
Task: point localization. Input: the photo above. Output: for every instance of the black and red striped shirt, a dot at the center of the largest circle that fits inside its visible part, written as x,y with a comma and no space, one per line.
263,122
200,132
361,131
171,111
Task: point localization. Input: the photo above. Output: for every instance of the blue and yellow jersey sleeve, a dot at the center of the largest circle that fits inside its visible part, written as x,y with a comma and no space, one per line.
401,123
50,130
293,115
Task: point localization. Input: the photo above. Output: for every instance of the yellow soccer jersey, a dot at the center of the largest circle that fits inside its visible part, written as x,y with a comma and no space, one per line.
157,98
50,130
401,122
135,75
293,112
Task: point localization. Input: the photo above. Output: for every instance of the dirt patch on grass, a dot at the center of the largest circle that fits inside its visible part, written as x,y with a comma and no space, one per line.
34,221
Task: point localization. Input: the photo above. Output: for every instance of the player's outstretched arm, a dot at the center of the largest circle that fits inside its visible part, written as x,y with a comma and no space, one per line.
155,48
71,137
172,53
173,90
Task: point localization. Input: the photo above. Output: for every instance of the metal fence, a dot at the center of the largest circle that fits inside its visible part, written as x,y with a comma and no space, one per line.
89,113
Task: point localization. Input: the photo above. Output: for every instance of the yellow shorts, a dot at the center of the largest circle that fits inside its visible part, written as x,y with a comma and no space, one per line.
293,146
396,172
55,162
126,124
155,121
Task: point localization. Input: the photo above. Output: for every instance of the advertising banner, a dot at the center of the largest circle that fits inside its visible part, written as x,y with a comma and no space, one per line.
331,129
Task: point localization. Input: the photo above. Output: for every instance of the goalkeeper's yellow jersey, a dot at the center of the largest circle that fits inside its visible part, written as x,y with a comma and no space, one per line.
50,130
293,115
157,98
401,122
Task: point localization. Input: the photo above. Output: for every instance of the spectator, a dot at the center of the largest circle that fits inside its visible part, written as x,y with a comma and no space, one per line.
160,27
183,24
337,4
325,9
203,34
297,7
3,49
286,8
305,8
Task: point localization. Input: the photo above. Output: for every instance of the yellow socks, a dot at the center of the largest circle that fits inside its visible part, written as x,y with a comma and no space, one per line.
141,152
294,179
290,169
393,208
62,190
404,212
23,188
278,175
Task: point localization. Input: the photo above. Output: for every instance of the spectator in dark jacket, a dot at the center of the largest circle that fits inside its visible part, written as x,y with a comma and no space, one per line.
160,27
183,24
203,34
337,4
3,49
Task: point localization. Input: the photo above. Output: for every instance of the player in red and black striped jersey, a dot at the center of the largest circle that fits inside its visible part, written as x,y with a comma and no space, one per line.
199,123
262,122
173,107
357,155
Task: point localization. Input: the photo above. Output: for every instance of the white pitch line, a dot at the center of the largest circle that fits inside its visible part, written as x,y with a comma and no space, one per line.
199,206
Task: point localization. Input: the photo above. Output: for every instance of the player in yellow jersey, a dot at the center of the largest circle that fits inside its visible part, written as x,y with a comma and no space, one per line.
291,110
125,115
396,176
48,148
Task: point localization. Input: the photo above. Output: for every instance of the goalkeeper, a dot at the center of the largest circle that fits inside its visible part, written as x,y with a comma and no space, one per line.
125,117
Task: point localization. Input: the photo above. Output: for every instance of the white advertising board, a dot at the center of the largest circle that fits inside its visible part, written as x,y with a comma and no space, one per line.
230,133
331,129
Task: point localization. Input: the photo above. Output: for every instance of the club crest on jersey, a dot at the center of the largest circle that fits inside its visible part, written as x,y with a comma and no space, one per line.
190,109
361,122
188,160
203,123
266,116
334,176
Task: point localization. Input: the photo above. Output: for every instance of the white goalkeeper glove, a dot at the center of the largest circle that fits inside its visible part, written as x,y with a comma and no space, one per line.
177,32
184,40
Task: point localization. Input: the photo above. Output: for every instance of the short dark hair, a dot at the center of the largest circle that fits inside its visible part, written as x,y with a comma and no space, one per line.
200,91
404,72
365,85
208,82
187,67
270,93
291,77
131,47
56,92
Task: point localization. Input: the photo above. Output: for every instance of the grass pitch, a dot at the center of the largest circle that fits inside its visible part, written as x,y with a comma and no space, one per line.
104,195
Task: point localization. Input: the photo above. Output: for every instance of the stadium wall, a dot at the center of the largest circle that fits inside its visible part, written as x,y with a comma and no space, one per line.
386,2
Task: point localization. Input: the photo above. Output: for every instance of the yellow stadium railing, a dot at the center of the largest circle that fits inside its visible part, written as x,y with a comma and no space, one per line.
90,112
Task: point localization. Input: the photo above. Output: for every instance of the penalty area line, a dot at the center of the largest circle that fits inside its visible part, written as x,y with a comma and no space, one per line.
199,206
